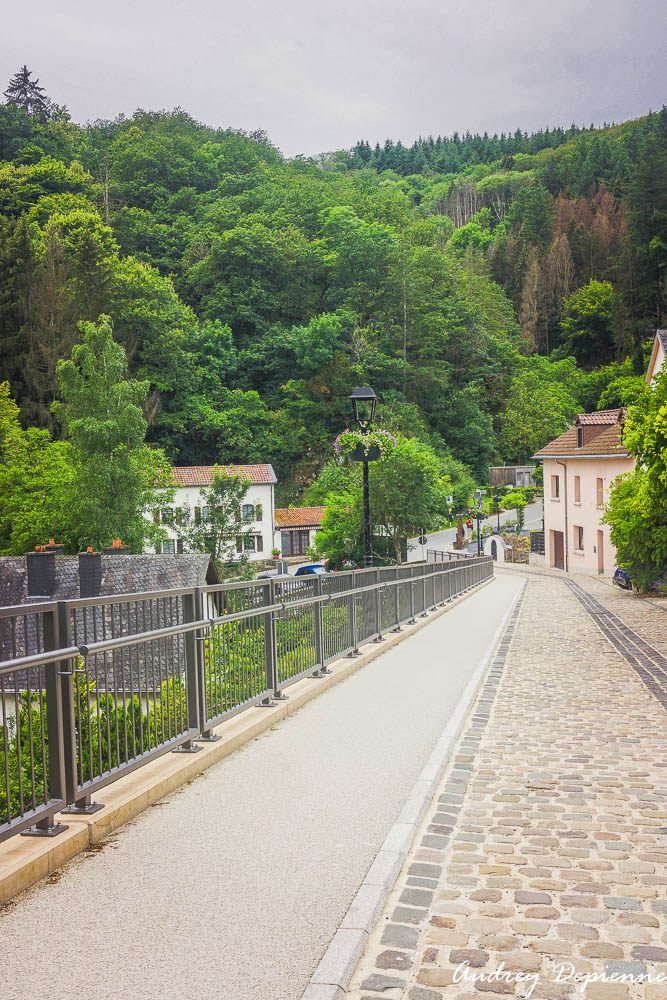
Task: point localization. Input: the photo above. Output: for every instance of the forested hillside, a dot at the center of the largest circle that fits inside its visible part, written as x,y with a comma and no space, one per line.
487,288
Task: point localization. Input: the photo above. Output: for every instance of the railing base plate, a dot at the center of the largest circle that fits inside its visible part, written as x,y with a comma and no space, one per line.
192,749
48,831
75,810
209,738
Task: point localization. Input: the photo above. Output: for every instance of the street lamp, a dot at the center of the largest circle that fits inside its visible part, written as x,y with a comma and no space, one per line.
364,402
497,502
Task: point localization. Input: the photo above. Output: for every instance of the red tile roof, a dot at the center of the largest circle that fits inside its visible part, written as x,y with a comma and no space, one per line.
299,517
201,475
607,417
607,444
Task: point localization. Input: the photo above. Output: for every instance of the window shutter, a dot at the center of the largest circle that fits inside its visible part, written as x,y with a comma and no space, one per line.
258,512
156,516
239,545
197,515
260,543
179,546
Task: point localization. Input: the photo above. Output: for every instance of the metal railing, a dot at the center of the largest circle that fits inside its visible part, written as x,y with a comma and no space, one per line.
96,687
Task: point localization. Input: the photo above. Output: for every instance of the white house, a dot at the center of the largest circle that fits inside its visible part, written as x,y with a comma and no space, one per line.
258,505
658,355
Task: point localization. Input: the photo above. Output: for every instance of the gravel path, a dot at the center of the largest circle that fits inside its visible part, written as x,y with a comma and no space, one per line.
233,887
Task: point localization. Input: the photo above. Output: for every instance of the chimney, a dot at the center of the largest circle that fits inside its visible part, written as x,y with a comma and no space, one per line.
57,549
90,573
41,566
116,549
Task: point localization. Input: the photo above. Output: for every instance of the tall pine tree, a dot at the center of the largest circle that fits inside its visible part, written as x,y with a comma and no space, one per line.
24,92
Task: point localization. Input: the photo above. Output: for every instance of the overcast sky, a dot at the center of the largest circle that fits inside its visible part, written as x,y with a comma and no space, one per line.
320,75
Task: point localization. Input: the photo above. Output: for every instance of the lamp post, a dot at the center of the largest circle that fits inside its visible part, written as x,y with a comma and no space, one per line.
364,402
479,514
497,502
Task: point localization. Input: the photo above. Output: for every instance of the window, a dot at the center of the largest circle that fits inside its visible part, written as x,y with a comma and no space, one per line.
249,543
247,512
206,513
555,487
577,489
167,515
599,492
580,437
578,538
168,547
295,543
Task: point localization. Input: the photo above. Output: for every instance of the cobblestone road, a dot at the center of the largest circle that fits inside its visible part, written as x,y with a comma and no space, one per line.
545,851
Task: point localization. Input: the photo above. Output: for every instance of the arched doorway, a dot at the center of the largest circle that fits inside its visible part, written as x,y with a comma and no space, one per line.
494,549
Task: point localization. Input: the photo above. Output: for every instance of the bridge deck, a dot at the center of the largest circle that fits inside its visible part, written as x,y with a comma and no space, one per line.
234,886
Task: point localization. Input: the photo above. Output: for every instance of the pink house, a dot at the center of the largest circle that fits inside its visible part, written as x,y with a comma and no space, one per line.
580,467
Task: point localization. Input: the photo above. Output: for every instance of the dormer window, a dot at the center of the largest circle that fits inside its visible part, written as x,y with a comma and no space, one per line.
580,437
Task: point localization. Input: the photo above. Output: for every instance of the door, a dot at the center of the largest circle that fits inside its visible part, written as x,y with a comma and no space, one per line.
494,549
600,552
558,554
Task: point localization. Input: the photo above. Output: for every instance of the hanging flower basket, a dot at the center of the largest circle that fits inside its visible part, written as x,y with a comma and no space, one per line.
354,446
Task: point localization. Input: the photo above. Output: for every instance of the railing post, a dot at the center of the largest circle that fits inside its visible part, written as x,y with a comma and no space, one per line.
412,597
353,619
57,788
192,613
206,733
397,603
424,613
378,608
271,651
319,630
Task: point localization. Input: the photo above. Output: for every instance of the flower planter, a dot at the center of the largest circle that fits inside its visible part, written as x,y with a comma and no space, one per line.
362,454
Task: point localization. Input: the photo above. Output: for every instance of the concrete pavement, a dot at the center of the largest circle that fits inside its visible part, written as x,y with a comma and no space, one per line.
234,886
443,540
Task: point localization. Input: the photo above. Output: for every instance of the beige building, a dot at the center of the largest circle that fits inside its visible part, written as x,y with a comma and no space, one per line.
580,467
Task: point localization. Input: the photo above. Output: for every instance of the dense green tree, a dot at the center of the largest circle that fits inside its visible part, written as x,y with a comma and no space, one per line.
36,477
637,509
216,524
117,479
588,323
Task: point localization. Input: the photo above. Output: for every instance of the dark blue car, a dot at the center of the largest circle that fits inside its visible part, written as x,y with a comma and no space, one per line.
313,569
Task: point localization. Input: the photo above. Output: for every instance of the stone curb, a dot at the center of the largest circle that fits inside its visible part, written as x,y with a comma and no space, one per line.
26,860
346,948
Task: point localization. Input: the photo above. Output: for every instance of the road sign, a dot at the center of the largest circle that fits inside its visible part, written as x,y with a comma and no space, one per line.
449,499
423,539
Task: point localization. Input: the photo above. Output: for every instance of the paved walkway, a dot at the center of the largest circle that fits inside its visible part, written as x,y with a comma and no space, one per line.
234,886
545,848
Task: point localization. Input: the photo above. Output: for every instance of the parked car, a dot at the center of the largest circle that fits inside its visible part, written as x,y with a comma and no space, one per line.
313,569
271,574
622,578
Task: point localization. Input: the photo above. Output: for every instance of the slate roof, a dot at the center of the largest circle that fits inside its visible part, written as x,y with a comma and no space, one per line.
299,517
201,475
